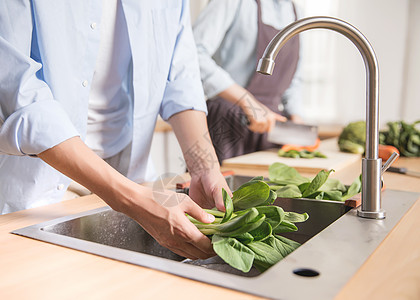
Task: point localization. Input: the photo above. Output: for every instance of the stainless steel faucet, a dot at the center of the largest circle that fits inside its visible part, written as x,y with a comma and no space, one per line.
371,164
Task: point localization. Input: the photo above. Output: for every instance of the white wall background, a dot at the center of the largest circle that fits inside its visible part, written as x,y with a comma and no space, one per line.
334,74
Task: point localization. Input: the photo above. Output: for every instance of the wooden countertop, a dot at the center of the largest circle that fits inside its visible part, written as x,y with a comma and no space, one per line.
32,269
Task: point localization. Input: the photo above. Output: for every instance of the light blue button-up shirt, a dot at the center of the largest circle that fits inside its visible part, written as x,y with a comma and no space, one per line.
48,52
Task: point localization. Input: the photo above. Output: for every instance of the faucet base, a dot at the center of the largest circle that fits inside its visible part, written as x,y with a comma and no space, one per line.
371,214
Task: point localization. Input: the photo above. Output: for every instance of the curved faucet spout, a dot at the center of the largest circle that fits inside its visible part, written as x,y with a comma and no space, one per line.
371,164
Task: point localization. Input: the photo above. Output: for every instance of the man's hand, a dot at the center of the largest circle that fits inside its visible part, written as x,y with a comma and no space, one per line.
164,218
206,189
260,117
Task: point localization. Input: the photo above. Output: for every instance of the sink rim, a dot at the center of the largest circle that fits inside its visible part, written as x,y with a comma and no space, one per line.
321,257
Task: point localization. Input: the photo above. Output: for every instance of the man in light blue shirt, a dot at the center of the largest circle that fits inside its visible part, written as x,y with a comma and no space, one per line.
60,86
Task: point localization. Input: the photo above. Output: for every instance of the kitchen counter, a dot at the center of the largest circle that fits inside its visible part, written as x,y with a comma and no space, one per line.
36,270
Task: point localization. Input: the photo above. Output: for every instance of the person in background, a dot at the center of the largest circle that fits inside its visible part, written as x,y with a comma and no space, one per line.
230,37
81,86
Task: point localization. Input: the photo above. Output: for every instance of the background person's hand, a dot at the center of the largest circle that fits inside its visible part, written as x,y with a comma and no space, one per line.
261,118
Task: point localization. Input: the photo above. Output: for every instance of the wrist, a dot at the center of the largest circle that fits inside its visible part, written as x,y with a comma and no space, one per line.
201,160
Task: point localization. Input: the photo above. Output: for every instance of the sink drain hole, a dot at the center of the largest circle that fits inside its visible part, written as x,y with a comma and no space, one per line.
306,272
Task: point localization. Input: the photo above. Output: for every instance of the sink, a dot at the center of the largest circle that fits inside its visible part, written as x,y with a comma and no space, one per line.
327,259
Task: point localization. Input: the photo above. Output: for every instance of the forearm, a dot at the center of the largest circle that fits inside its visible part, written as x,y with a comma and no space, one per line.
234,94
191,130
75,160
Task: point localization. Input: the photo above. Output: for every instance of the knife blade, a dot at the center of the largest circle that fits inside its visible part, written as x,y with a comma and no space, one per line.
404,171
292,133
289,133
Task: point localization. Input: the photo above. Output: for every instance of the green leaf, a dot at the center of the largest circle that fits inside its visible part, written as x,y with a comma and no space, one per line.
302,187
257,178
271,198
264,255
289,191
250,216
228,206
354,188
317,182
215,212
244,238
233,252
273,214
333,195
250,194
283,174
291,245
294,217
282,245
245,228
285,226
333,184
262,232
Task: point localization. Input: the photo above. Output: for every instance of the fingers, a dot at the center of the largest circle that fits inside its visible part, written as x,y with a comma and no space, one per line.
197,245
280,118
218,196
195,211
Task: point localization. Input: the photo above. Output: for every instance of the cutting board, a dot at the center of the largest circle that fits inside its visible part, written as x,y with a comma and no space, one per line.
262,159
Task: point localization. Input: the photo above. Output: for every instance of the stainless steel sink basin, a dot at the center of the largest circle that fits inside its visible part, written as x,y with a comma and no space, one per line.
326,260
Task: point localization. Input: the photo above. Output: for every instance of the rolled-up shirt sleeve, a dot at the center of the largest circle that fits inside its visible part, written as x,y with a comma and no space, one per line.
183,89
31,120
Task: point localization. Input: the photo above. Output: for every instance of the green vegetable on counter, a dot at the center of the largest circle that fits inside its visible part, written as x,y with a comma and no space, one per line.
300,154
288,183
246,234
401,135
353,138
405,137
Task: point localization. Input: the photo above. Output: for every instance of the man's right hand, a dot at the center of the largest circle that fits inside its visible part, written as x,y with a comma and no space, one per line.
163,217
261,118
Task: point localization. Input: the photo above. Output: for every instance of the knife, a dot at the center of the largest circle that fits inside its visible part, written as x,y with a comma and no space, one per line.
404,171
291,133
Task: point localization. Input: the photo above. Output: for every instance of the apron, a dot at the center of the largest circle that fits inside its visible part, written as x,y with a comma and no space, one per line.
230,137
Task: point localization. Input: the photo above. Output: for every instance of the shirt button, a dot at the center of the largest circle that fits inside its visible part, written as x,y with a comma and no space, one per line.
85,83
93,25
60,187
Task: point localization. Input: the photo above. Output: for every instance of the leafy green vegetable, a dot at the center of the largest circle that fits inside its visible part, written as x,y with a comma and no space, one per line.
300,154
245,234
295,217
251,194
288,183
262,232
283,174
405,137
274,214
289,191
228,206
265,255
353,138
317,182
285,226
234,252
